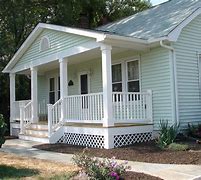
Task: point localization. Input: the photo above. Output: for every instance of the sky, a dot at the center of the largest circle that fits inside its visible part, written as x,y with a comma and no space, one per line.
155,2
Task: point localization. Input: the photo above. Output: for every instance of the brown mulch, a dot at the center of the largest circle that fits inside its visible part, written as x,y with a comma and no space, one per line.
143,152
139,176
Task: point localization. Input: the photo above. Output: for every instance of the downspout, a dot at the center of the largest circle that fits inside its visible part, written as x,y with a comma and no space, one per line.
174,81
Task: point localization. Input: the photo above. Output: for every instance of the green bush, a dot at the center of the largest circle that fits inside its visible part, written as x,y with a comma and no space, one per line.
194,130
178,147
3,130
96,169
167,134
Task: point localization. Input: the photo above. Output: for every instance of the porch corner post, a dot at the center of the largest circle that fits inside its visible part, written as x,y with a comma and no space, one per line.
34,94
21,117
107,85
149,106
12,96
63,65
49,106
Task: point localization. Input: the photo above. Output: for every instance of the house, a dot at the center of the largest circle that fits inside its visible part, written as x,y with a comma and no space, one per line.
111,86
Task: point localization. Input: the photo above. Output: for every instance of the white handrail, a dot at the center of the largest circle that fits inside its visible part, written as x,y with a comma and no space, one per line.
25,114
54,116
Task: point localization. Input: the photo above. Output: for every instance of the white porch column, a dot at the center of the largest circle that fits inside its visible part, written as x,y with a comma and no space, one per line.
63,63
107,85
34,94
12,96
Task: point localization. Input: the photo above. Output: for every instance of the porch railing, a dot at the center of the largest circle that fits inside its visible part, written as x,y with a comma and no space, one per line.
132,107
84,108
54,116
16,108
25,110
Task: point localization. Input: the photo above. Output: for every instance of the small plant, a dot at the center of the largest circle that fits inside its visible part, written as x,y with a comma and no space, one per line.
194,130
3,130
178,147
105,169
167,134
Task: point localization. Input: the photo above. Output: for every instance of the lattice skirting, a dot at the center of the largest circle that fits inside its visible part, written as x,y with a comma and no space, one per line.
128,139
95,141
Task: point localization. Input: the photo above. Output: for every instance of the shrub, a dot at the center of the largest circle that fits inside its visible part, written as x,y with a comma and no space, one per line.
178,147
106,169
3,130
167,134
194,130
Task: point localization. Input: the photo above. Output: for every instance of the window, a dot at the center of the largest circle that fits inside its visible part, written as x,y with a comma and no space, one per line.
52,91
133,76
116,78
44,44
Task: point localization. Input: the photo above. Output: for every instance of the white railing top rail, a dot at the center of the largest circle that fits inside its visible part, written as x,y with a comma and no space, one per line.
81,95
28,104
56,103
132,93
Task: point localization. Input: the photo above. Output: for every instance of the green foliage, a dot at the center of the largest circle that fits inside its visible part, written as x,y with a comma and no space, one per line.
3,130
10,172
167,134
106,169
178,147
194,130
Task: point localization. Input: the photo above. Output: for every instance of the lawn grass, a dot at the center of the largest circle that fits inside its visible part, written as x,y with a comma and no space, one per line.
15,167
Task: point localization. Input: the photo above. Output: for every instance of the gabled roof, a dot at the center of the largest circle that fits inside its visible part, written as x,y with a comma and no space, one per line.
154,23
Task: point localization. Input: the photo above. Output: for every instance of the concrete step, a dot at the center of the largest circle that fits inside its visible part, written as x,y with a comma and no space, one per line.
35,138
36,132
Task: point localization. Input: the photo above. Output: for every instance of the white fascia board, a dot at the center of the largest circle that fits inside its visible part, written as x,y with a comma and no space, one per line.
22,49
175,33
77,31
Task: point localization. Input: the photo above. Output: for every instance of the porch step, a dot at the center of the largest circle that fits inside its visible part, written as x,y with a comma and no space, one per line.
41,127
41,139
36,132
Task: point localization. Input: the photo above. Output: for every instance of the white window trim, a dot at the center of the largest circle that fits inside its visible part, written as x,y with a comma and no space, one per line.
123,63
41,40
135,79
88,81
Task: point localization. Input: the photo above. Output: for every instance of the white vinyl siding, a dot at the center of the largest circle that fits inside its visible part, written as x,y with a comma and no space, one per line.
187,49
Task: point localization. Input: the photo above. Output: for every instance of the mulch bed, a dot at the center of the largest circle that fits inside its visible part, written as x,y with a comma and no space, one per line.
143,152
139,176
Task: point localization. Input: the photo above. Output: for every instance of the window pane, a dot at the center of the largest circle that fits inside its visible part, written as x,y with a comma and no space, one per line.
117,87
133,86
133,70
52,97
51,84
116,73
58,83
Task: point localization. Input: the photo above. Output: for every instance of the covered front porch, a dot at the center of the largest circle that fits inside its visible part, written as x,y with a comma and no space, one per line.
91,89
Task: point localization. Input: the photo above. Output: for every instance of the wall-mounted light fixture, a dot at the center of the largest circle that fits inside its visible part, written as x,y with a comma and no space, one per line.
70,83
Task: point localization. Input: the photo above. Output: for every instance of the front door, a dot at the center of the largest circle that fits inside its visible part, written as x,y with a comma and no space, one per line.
54,89
84,90
84,84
